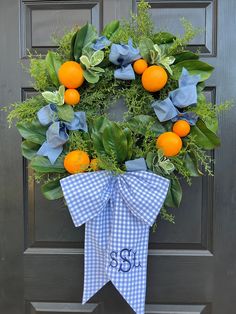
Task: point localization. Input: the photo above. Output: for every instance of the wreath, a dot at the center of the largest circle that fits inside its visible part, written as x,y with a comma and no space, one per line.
130,98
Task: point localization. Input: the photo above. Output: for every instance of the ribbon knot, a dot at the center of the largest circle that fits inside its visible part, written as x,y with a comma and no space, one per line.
56,135
118,212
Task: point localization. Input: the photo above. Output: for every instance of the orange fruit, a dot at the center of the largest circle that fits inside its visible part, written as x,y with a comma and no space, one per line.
170,143
94,164
181,128
71,96
154,78
70,74
76,161
140,66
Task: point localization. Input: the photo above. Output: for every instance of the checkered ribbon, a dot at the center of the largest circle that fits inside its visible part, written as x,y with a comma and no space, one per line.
118,212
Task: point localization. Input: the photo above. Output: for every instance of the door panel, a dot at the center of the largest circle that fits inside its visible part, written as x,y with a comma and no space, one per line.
191,266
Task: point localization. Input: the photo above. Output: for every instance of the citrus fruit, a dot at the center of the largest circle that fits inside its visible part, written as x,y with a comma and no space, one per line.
76,161
154,78
71,96
170,143
140,66
70,74
94,164
181,128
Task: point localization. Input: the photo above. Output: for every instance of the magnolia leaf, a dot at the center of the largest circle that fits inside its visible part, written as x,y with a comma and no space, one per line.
145,45
97,58
52,190
99,124
85,61
174,195
186,55
191,164
111,28
29,149
141,123
32,131
115,142
158,49
85,36
50,97
163,38
65,113
204,137
194,67
42,164
53,63
98,144
72,46
128,134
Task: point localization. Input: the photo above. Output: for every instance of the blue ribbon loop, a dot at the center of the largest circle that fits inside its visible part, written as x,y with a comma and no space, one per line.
118,212
56,135
182,97
123,56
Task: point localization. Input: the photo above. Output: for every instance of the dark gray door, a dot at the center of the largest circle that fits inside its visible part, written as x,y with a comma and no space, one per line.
192,264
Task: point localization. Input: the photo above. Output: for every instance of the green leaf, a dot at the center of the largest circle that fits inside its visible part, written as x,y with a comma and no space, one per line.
97,58
97,143
204,137
52,190
191,164
85,61
174,195
90,76
163,38
145,46
194,67
99,124
115,142
141,123
50,97
85,36
29,149
149,160
42,164
128,134
32,131
60,94
111,28
97,70
185,55
53,63
72,46
65,113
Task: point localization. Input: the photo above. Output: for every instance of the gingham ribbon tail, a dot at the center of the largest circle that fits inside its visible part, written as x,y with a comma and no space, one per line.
118,212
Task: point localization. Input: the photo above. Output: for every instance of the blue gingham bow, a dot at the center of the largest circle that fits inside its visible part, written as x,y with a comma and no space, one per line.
181,97
56,135
118,211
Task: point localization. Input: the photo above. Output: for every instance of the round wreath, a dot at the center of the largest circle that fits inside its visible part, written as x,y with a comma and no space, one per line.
129,94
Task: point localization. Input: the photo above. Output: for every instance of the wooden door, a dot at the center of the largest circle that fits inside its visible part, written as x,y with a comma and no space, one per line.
192,264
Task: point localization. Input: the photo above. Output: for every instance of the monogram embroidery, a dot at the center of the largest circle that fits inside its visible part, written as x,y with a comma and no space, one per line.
124,260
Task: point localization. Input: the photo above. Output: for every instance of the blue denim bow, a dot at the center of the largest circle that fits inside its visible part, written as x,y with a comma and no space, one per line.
101,43
184,96
124,55
56,135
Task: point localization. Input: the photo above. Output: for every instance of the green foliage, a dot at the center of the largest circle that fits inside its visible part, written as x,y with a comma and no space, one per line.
53,62
111,28
38,71
52,190
90,62
64,43
181,42
84,37
140,25
194,67
42,164
26,111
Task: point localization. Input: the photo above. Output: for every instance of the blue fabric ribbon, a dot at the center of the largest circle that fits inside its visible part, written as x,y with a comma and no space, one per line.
101,43
124,55
184,96
118,212
56,135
